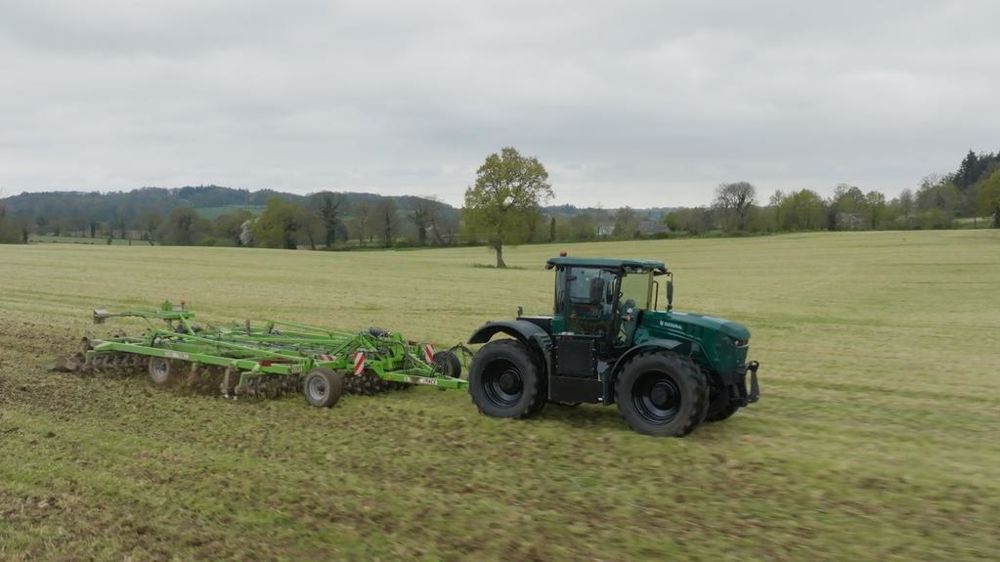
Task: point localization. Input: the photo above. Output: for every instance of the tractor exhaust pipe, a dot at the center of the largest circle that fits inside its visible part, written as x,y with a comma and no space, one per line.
670,291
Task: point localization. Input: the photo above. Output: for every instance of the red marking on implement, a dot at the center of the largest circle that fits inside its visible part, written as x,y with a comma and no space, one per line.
359,362
428,353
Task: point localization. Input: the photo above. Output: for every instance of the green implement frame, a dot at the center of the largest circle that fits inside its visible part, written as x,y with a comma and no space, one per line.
251,350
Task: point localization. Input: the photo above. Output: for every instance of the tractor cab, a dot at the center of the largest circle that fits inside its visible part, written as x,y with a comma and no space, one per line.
603,298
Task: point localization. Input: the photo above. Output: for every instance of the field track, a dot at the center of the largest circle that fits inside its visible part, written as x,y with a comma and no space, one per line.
877,436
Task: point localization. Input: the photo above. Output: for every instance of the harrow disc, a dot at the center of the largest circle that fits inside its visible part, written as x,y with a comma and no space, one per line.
366,384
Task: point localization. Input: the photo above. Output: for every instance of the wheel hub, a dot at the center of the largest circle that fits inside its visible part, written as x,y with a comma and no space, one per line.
660,396
656,397
503,384
317,388
509,381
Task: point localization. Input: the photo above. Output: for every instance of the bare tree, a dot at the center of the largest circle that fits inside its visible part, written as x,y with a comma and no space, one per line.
330,208
734,201
423,217
387,220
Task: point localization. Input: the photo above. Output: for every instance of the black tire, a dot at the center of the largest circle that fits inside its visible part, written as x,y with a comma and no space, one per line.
721,407
322,387
163,371
448,363
661,394
505,381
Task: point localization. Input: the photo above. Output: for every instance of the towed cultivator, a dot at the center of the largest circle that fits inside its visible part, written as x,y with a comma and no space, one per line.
268,358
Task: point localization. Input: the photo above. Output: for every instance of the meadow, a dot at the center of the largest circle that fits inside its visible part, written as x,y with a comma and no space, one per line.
876,437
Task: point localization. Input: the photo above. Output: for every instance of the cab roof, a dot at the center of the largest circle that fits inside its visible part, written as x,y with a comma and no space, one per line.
657,267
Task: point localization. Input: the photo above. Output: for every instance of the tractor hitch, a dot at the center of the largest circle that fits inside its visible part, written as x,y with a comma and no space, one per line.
754,394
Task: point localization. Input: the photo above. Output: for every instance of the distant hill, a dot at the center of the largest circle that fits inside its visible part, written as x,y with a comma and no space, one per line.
569,211
210,201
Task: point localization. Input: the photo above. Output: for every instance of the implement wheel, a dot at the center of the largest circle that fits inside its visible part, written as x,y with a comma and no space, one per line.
661,394
448,363
505,382
162,370
323,387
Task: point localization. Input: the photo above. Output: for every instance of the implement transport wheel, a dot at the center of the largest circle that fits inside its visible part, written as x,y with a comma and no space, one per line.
162,370
448,363
661,394
505,381
323,387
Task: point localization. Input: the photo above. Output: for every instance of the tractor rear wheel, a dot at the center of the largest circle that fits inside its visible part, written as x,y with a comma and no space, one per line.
661,394
323,387
448,363
505,381
162,370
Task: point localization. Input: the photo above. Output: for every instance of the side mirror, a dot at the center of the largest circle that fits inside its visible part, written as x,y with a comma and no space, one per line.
670,291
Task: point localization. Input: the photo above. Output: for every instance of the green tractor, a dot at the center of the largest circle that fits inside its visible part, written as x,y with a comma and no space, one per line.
607,343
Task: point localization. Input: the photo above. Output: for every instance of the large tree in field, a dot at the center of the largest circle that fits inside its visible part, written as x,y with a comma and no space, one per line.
735,200
506,198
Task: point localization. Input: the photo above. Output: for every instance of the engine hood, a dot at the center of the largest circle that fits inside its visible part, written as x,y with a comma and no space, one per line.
675,318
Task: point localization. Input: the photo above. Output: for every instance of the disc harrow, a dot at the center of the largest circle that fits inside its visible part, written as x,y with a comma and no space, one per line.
265,359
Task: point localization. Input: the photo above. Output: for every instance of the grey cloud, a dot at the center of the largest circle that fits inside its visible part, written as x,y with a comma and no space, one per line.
639,103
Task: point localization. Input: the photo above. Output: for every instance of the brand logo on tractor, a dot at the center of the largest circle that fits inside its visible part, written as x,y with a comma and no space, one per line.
666,324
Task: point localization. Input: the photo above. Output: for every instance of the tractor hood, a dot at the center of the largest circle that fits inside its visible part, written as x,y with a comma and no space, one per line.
679,320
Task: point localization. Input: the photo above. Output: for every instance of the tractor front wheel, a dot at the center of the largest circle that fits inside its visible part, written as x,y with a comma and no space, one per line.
721,407
661,394
505,381
323,387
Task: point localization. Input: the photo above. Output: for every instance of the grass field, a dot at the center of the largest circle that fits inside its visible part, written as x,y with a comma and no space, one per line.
99,241
876,437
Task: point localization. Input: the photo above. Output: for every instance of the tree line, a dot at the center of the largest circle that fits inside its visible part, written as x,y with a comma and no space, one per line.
504,205
219,216
970,193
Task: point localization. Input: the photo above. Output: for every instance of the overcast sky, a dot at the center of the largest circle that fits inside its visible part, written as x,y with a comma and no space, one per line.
626,103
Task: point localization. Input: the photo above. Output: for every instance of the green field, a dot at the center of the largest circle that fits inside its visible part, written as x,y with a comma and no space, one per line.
876,437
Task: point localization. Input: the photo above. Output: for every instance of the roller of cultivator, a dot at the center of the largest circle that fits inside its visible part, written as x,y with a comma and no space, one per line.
267,358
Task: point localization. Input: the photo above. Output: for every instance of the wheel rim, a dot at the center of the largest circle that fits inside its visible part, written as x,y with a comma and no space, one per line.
317,389
502,383
656,397
159,369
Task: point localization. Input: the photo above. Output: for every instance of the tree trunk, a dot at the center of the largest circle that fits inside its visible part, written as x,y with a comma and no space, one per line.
498,248
996,217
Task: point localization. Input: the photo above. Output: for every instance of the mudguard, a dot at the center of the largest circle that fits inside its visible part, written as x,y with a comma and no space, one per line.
680,346
530,334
